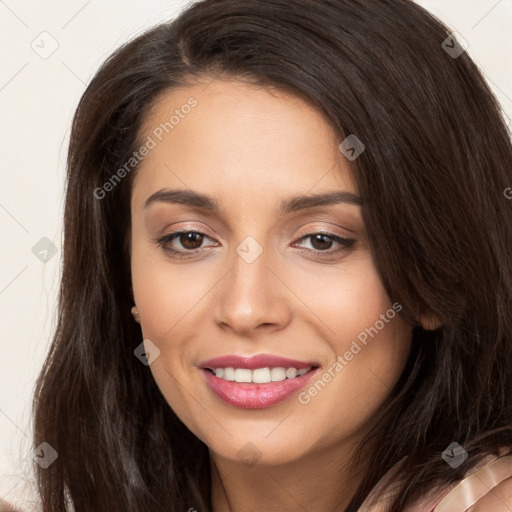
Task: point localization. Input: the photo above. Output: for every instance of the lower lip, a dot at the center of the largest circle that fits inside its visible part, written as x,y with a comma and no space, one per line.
255,396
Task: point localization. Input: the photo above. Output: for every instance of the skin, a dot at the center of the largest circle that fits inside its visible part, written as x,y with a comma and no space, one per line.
250,148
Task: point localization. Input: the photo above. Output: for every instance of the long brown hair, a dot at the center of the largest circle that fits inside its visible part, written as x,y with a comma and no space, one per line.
436,163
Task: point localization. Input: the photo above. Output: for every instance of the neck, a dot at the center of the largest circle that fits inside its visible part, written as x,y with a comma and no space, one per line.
322,482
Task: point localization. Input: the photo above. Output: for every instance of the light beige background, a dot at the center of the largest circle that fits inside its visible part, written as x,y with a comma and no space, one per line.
37,98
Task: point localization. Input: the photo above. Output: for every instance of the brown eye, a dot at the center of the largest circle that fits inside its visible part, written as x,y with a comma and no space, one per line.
191,240
183,243
321,242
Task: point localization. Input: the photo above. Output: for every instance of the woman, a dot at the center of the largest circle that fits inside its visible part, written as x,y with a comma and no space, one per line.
286,278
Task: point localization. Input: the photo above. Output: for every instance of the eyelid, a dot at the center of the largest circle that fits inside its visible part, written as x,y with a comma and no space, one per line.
165,237
302,232
345,244
173,229
324,231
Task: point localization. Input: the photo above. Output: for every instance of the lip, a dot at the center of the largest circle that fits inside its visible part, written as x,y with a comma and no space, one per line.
254,362
247,395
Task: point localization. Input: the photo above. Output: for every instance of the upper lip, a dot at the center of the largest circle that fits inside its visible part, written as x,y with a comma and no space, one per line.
255,361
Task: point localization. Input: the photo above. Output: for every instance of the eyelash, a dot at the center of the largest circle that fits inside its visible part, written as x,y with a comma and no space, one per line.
163,242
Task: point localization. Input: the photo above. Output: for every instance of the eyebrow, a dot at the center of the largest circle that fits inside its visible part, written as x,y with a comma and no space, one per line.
292,204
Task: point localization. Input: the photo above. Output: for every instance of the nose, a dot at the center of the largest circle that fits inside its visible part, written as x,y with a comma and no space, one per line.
252,297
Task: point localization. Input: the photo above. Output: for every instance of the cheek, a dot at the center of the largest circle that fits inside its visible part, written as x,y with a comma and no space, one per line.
370,334
165,298
345,301
369,343
165,293
170,300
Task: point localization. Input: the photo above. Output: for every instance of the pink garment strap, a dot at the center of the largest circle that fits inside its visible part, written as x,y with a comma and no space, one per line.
469,490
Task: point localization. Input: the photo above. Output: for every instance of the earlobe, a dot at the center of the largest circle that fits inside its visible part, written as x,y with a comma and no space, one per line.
135,314
430,322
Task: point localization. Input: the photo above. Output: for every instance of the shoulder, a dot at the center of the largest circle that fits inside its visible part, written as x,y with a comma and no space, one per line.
497,499
486,487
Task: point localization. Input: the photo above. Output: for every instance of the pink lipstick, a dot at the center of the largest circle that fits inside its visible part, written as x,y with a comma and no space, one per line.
256,382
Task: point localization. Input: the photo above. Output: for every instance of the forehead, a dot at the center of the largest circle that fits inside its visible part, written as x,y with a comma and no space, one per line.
229,136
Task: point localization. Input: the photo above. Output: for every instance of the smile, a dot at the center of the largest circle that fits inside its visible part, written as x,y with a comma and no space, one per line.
259,375
248,383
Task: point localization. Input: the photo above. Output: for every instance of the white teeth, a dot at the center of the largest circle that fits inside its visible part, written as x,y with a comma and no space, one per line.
229,374
259,375
243,375
277,374
291,373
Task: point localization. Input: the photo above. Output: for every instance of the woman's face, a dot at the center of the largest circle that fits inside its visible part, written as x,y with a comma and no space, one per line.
262,277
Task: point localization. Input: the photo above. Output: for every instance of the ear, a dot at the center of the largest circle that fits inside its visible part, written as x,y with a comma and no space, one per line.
430,322
135,314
